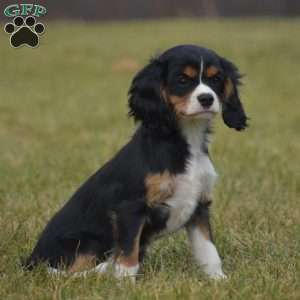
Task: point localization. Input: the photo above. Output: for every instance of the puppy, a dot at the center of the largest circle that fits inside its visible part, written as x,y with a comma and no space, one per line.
160,181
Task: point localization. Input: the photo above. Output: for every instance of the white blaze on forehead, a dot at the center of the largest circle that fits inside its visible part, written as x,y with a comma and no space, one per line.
201,69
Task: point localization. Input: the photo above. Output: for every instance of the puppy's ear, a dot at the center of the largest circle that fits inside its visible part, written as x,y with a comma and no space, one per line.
232,109
146,102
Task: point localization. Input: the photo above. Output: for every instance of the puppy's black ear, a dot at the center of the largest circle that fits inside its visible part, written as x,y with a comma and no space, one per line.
146,101
232,109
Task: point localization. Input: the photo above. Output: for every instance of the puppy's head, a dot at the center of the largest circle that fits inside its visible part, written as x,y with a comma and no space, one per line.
187,83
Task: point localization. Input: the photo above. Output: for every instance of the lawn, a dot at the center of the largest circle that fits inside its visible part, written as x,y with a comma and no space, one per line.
63,114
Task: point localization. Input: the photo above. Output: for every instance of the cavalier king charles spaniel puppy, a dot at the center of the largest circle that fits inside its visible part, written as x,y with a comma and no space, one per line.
160,181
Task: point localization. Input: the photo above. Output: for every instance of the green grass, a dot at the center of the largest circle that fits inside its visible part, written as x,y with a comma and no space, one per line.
63,114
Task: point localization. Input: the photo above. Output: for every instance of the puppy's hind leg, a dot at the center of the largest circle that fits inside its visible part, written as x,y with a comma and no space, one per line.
130,227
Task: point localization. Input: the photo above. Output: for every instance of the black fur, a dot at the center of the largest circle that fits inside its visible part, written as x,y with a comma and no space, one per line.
232,109
146,102
84,224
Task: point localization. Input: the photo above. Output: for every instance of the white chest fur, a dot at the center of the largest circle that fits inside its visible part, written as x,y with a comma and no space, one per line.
198,179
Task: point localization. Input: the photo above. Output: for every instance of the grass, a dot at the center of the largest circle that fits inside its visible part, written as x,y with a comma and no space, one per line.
63,114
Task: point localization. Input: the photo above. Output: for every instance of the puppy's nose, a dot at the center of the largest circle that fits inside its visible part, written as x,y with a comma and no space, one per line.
205,100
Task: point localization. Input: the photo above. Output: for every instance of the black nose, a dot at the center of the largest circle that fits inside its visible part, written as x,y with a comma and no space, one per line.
205,100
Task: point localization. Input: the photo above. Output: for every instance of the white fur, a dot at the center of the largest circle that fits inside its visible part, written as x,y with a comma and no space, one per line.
101,268
206,254
121,271
198,178
56,272
118,270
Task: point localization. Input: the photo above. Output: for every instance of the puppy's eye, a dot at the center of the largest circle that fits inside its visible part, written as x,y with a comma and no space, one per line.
217,78
183,80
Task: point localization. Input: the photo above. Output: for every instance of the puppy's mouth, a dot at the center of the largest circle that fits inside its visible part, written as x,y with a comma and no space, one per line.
200,114
208,111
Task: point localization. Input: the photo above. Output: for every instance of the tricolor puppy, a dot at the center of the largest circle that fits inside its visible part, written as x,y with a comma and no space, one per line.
158,183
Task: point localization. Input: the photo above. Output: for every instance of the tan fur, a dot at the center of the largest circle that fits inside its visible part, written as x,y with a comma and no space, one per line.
190,71
179,104
83,262
204,229
211,71
159,187
202,224
228,88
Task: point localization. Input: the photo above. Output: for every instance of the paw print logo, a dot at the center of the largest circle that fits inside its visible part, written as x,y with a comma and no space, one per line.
24,32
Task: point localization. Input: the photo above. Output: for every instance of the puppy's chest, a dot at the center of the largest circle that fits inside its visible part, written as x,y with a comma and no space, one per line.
198,179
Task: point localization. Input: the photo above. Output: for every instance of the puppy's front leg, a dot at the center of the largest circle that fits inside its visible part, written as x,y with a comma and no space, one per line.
200,236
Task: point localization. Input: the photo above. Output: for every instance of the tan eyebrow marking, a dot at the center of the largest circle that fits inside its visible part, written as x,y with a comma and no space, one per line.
211,71
190,71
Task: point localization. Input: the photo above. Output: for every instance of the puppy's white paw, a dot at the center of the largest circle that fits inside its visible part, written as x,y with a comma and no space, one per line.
214,272
99,269
121,271
102,268
218,275
56,272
